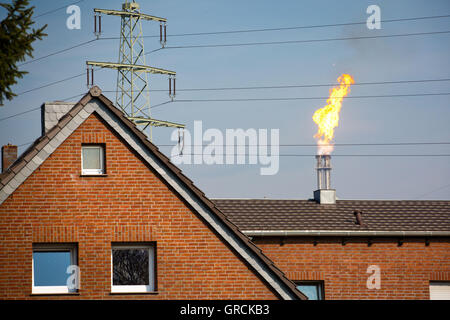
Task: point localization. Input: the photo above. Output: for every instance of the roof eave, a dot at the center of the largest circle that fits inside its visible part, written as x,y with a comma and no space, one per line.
344,233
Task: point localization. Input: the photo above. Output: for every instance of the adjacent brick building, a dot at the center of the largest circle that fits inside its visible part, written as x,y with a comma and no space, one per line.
325,246
348,249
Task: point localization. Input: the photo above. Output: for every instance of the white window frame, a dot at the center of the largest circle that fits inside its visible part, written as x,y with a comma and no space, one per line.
151,269
53,248
99,171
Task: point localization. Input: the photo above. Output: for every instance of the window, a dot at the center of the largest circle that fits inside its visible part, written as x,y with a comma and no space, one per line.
132,268
55,268
440,290
312,289
93,159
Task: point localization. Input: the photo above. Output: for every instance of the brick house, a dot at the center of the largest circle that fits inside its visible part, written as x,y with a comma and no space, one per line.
93,197
95,189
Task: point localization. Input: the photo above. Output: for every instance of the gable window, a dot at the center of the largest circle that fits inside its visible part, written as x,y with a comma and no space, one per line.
93,159
312,289
133,268
54,267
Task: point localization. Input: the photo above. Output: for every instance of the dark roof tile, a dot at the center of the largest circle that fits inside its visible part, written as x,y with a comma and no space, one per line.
378,215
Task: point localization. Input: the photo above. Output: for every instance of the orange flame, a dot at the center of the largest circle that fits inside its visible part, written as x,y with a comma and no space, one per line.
327,118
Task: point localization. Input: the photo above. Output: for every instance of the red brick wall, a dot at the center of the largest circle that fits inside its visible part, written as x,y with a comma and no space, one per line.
406,270
9,155
55,204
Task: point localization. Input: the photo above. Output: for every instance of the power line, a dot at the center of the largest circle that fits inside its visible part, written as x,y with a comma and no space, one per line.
56,82
334,155
308,144
34,109
20,113
26,143
160,104
252,30
57,9
245,88
296,86
65,79
304,41
335,144
303,98
433,191
223,45
52,83
59,51
71,48
313,98
70,98
247,99
290,28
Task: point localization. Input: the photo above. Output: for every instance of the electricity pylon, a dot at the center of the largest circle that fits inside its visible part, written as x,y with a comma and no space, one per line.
132,92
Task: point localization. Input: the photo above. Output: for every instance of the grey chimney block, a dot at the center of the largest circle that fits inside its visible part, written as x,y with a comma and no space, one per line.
52,112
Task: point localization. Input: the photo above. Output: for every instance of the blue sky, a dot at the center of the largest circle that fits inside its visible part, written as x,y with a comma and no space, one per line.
370,120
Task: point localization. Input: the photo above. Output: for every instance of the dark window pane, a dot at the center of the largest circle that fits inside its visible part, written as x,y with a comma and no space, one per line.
130,266
50,268
310,290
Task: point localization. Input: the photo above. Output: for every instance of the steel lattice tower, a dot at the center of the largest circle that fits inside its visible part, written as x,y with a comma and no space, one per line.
132,91
132,85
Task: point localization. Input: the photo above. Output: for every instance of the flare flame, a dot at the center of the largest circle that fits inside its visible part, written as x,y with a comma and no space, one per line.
327,118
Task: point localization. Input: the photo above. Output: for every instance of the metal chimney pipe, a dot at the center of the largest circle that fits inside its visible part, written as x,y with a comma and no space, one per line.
324,194
319,172
327,159
323,171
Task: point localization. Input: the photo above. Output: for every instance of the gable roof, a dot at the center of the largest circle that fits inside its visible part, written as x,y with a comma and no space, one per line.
94,101
303,217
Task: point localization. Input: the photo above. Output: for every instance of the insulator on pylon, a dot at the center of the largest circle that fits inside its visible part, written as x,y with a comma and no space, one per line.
165,33
170,86
180,141
97,31
89,82
162,33
174,86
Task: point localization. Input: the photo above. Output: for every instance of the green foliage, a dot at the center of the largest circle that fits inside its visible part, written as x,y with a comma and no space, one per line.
15,44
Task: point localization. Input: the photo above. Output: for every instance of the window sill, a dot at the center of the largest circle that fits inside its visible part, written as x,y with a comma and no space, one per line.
128,293
55,294
94,175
